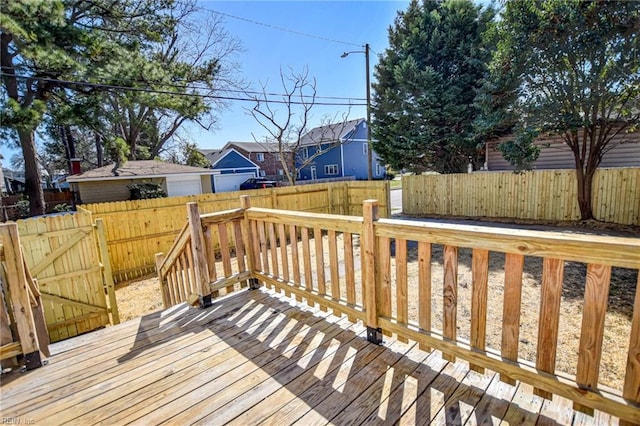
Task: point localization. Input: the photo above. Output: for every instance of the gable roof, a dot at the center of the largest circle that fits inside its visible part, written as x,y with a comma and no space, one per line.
330,133
138,169
218,157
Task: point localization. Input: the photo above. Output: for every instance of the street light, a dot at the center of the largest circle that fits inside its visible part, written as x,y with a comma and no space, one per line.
366,54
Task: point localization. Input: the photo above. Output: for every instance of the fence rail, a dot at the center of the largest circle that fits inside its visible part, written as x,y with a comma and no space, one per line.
362,267
536,195
137,230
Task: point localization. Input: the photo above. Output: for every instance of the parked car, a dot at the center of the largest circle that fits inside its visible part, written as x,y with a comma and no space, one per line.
257,183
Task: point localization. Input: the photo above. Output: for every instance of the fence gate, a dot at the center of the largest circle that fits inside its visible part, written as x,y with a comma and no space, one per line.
67,254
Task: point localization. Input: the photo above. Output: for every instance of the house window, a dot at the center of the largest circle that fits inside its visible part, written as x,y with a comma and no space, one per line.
260,156
263,173
365,148
379,169
277,156
280,172
331,169
305,153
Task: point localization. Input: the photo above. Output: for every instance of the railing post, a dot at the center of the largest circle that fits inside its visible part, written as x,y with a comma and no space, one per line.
17,282
248,240
163,289
198,247
368,254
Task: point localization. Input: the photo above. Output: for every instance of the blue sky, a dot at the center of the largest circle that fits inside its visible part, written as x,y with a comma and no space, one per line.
266,50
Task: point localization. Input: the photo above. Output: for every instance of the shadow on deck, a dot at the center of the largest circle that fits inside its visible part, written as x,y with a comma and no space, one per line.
254,357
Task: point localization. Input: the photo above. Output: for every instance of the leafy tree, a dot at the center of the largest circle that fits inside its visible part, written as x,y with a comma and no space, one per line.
288,136
426,82
69,59
567,68
186,68
187,153
45,43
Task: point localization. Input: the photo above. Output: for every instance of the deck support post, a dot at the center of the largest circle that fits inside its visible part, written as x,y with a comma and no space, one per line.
369,272
198,248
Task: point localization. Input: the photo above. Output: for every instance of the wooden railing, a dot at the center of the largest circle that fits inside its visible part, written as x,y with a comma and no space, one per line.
363,267
23,330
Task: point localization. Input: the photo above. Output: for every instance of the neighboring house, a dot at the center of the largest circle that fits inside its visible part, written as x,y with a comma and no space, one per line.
261,154
555,154
347,158
103,184
231,169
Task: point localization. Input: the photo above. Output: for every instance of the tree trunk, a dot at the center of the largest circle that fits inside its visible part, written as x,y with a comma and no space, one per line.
585,185
32,179
99,154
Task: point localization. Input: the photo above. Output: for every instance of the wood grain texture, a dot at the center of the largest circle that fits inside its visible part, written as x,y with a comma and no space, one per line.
450,296
295,261
513,268
319,254
306,260
479,291
402,301
596,296
368,257
349,270
334,267
550,296
632,377
424,289
383,281
198,253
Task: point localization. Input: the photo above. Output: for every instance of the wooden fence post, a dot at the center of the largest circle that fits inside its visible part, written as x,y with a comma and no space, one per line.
249,241
369,255
17,281
108,273
198,249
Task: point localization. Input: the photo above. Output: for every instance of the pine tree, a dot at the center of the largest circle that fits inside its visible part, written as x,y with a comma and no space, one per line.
426,81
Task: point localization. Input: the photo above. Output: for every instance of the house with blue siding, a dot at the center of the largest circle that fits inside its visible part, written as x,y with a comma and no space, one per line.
232,168
337,150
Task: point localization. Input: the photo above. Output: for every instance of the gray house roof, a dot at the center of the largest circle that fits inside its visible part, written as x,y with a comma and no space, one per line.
247,146
329,133
138,169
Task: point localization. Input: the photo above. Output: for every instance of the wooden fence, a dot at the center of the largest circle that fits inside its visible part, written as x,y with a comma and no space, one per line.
137,230
538,195
362,267
22,324
67,254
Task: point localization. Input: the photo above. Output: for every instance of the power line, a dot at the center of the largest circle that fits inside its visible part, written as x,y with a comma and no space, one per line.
287,30
166,92
185,86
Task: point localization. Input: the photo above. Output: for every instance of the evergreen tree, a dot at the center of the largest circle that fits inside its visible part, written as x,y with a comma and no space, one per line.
423,106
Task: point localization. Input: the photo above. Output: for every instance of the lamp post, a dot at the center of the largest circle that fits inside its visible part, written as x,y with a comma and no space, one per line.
369,156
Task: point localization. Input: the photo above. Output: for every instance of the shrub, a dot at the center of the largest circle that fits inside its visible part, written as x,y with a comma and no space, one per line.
145,190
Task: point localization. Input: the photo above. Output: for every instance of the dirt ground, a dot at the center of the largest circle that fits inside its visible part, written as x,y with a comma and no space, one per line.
143,296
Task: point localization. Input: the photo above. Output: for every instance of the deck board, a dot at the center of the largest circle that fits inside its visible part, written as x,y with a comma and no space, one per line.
257,357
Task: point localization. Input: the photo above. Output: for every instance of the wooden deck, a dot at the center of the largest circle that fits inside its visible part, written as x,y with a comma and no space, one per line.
255,357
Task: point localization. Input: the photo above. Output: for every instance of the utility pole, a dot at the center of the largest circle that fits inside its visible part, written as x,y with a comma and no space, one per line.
369,155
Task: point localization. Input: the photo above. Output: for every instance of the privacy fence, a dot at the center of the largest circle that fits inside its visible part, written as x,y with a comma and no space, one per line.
137,230
537,195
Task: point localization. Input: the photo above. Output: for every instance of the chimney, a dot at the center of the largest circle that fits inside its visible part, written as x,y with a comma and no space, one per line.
75,166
